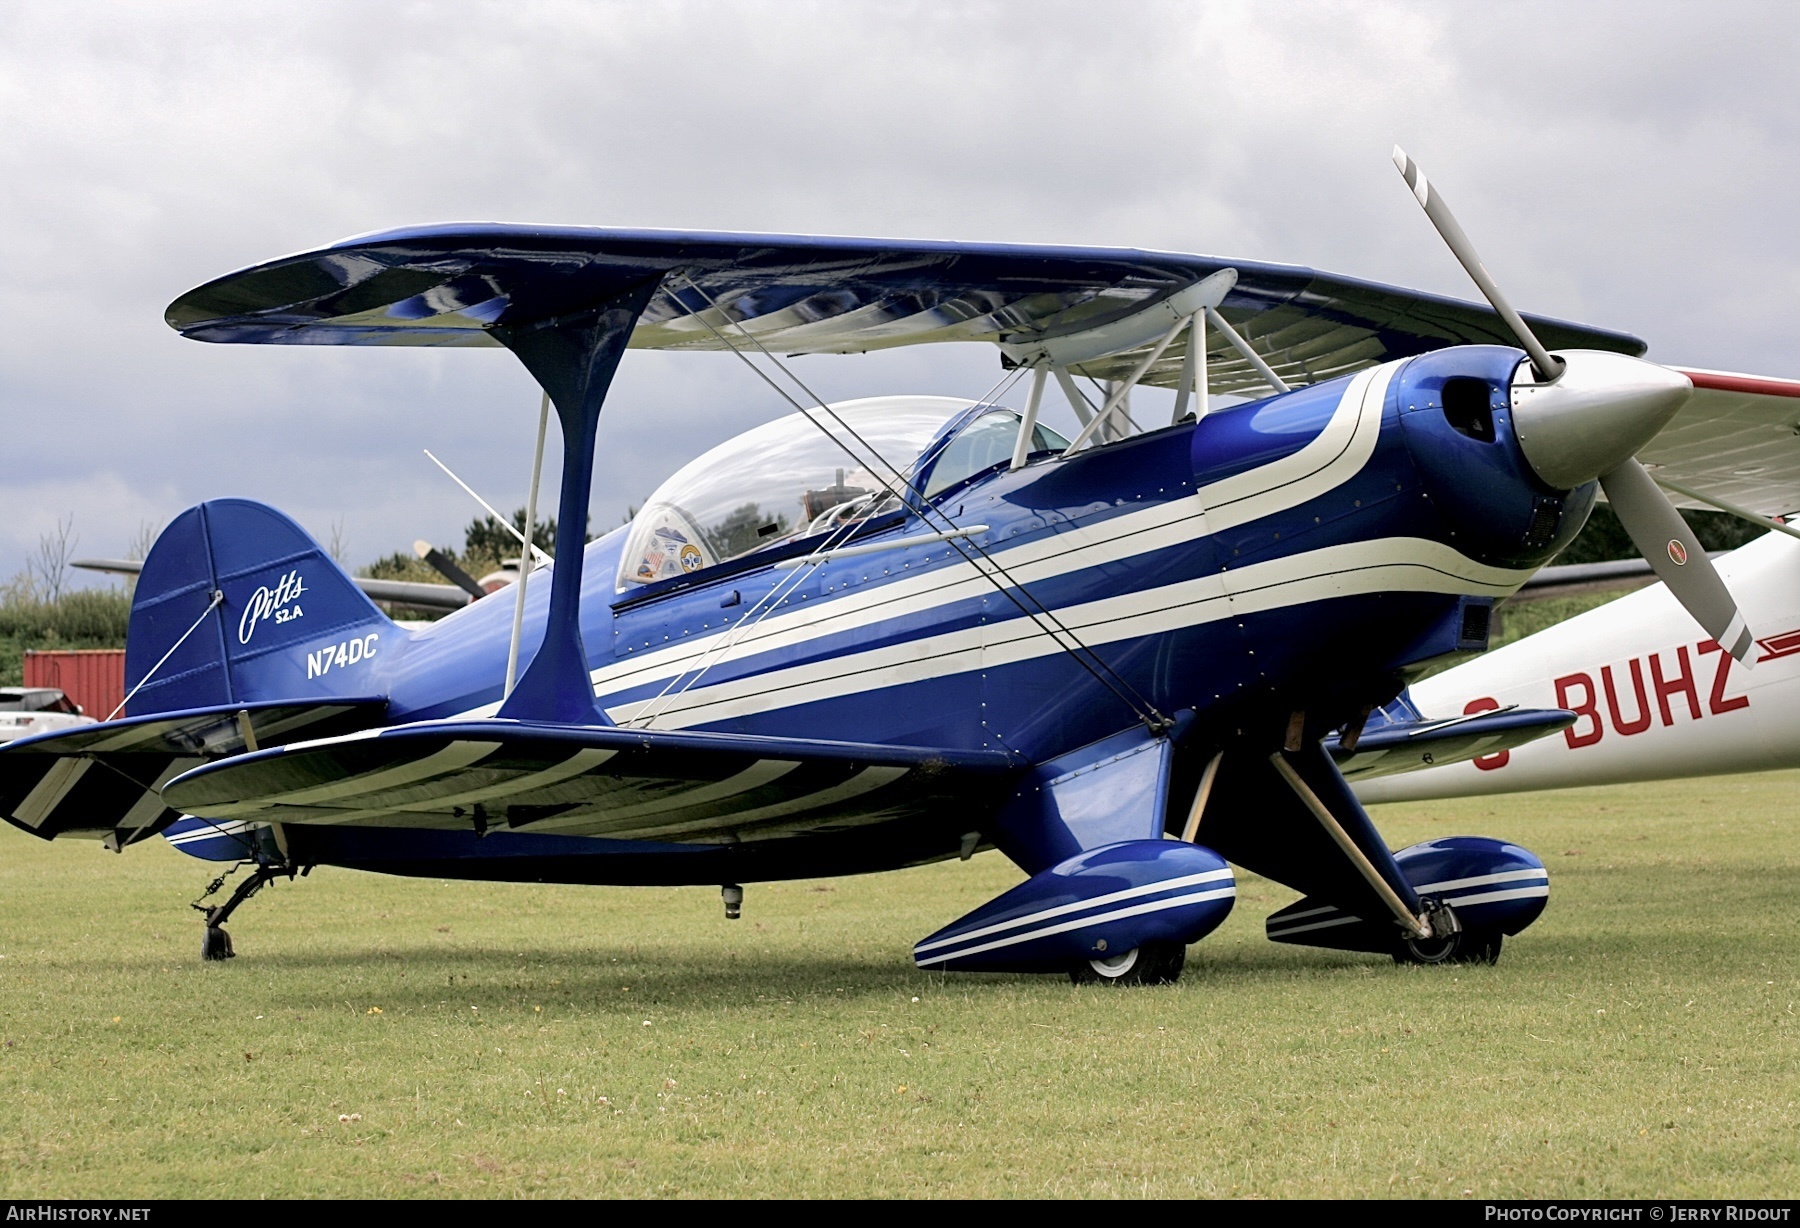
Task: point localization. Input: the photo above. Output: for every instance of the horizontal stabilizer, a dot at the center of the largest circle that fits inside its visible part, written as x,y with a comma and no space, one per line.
678,787
1397,738
103,781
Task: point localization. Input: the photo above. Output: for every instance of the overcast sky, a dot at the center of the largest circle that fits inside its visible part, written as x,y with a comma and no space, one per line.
1631,165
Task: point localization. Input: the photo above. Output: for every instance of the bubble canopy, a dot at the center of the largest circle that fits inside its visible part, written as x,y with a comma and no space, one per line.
788,479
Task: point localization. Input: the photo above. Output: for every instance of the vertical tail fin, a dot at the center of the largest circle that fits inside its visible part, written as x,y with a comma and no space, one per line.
266,613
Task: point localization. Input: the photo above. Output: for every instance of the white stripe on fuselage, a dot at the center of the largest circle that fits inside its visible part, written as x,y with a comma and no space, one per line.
1384,565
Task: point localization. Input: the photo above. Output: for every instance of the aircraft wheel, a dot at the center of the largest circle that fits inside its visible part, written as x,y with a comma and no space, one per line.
1464,947
1154,963
215,944
1480,947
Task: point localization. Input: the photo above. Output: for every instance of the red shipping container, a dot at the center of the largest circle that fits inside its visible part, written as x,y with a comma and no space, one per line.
92,677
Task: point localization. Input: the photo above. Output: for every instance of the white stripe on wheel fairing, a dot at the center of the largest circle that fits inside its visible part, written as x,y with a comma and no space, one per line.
1099,901
1316,925
1484,880
1311,912
1281,925
1137,910
1494,897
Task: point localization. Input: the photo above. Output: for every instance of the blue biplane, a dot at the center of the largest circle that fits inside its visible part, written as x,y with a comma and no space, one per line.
882,632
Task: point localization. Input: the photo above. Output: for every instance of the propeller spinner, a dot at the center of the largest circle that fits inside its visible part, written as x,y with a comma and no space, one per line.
1583,416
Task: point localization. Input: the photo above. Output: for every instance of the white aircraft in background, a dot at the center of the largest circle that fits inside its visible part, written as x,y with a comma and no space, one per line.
1654,697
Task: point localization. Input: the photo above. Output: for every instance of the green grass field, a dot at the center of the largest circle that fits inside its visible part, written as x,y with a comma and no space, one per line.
393,1037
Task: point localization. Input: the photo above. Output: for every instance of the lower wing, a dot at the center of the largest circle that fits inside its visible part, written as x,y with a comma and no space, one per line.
589,781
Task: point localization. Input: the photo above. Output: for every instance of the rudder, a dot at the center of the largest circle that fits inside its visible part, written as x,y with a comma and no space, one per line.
267,614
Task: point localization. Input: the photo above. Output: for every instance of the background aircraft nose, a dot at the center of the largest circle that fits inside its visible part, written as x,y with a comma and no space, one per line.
1594,416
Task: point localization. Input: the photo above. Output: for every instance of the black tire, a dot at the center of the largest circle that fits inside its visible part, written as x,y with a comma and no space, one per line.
1480,947
1154,963
1463,947
215,944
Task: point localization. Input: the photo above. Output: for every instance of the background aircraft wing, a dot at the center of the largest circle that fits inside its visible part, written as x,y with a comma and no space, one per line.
451,285
1737,439
1397,738
628,784
399,592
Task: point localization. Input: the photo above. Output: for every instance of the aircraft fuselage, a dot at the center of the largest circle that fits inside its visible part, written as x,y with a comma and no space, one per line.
1302,552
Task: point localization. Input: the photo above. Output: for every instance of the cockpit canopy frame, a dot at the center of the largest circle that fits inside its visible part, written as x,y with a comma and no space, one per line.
812,477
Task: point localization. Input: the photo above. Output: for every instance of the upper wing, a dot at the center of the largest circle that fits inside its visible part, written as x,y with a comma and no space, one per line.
1738,439
449,285
590,781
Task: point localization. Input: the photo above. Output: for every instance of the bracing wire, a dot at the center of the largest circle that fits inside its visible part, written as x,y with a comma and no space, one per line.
763,607
212,605
1012,590
105,762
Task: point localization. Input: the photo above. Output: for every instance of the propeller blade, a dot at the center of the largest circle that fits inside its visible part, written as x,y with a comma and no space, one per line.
1572,427
447,567
1547,366
1664,539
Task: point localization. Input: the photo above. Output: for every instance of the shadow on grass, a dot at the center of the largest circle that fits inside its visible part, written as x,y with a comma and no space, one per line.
595,978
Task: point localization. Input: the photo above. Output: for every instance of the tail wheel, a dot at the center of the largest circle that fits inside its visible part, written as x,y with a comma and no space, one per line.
215,943
1154,963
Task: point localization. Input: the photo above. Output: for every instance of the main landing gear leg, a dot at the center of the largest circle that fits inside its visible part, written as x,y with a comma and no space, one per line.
215,943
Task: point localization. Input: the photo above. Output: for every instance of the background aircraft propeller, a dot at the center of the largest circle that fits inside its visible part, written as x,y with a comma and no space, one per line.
1585,418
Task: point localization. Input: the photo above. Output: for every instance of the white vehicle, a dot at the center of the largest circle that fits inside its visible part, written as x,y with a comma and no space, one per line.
28,711
1653,696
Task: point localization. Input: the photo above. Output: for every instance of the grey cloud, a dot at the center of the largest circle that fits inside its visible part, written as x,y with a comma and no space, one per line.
1631,164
